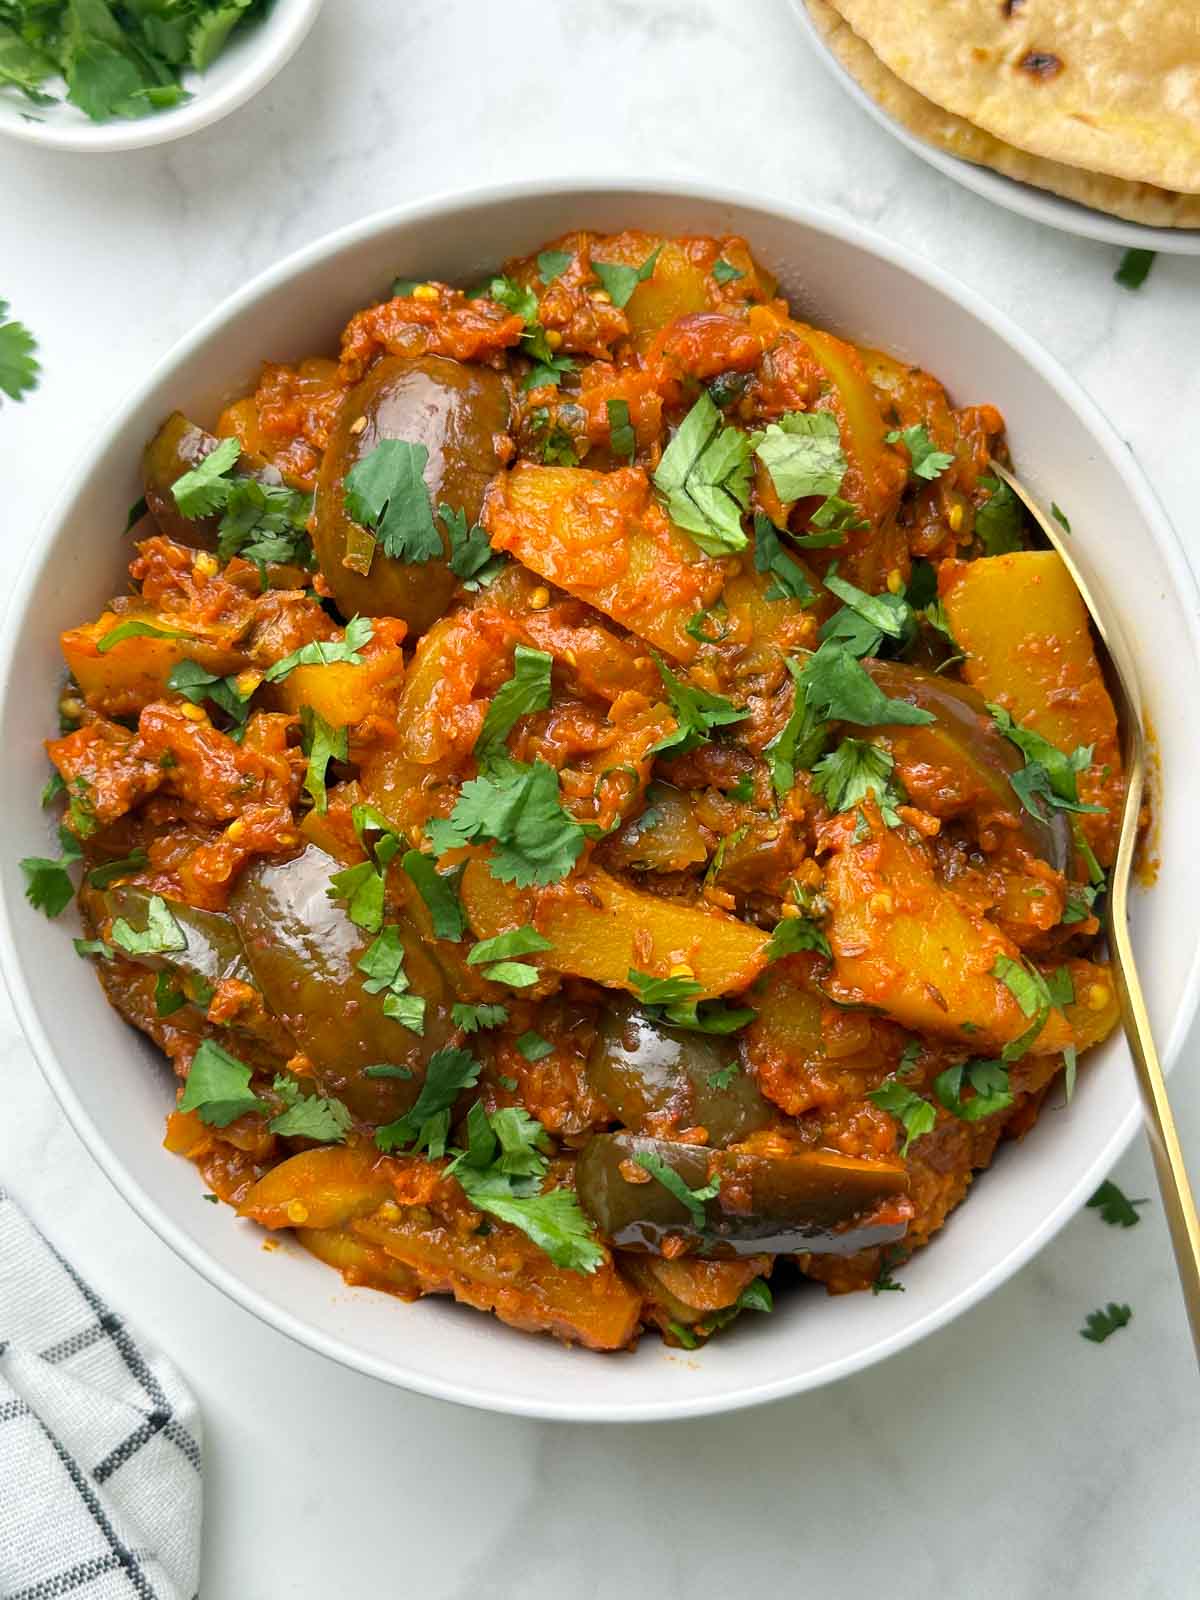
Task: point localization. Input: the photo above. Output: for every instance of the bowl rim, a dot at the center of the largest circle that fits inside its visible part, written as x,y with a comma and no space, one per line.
1025,199
204,108
431,211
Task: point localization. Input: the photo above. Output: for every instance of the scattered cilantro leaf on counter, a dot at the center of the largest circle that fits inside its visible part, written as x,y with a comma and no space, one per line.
1049,777
19,369
528,690
1134,268
620,281
1101,1324
802,452
218,1087
621,436
386,493
327,1121
926,462
322,652
989,1080
472,559
197,684
426,1124
845,777
109,871
205,489
793,934
136,629
697,713
693,1199
553,263
725,272
533,1047
161,935
704,477
1000,520
322,744
1115,1207
914,1114
519,808
470,1018
771,556
94,947
439,890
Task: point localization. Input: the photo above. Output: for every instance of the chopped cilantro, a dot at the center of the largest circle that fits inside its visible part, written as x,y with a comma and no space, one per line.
94,947
386,493
884,615
1048,778
382,965
472,559
520,810
723,1077
48,885
620,281
799,742
675,1001
704,476
1115,1207
161,935
322,744
695,625
1100,1324
439,890
925,462
533,1047
793,934
517,942
790,582
988,1079
327,1121
1134,268
743,789
838,687
693,1199
835,518
915,1115
756,1296
18,364
528,690
426,1125
1060,516
52,788
385,1069
205,489
197,684
802,452
845,777
323,652
697,713
218,1087
724,272
1000,520
136,629
168,999
621,436
553,263
548,368
470,1018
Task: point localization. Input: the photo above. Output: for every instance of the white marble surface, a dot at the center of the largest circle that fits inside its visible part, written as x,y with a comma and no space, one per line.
1003,1457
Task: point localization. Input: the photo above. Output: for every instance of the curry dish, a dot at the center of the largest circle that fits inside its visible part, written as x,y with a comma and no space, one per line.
595,795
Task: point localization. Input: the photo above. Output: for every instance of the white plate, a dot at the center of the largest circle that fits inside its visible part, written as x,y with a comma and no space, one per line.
1024,198
116,1089
251,59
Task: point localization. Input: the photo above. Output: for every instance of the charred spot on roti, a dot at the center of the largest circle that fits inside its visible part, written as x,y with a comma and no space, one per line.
1040,64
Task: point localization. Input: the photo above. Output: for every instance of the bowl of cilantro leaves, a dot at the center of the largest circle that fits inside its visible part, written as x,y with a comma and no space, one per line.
108,75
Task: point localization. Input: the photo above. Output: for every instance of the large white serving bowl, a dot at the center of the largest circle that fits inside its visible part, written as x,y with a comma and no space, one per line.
254,54
116,1089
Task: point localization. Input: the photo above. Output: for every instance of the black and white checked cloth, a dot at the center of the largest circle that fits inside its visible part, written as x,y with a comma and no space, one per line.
99,1441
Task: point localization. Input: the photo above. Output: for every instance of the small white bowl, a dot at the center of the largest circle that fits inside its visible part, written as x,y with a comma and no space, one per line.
250,60
117,1089
1026,199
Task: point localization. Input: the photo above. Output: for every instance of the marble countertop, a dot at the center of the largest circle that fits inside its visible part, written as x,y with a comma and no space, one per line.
1002,1457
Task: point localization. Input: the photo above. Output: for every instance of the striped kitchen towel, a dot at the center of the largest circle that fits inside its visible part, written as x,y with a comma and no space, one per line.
99,1441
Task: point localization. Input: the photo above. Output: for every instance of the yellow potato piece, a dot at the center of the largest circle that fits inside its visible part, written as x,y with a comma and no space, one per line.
134,671
322,1188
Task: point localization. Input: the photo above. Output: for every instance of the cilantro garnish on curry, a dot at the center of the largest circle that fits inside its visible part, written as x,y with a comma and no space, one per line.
594,795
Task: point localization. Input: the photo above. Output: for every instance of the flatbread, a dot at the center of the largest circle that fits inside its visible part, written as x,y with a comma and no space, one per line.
1111,86
1135,202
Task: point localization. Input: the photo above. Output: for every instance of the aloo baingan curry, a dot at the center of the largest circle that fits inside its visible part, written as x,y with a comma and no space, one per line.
594,795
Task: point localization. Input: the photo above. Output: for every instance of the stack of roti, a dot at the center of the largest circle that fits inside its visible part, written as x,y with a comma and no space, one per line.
1095,100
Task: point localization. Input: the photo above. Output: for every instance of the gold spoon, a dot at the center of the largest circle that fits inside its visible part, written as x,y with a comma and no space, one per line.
1121,676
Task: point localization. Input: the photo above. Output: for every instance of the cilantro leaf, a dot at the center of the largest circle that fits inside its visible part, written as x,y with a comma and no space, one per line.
887,616
697,713
197,684
724,272
472,559
1134,268
1049,778
621,436
553,263
704,477
327,1121
526,691
322,744
989,1080
218,1087
427,1123
845,777
204,489
533,1047
1100,1324
926,462
675,1002
439,890
94,947
322,652
915,1115
167,998
1000,520
652,991
523,303
838,687
265,522
619,281
517,942
516,974
756,1296
48,885
520,810
386,493
835,518
136,629
799,742
362,888
693,1199
770,556
470,1018
554,1220
1115,1207
161,935
793,934
18,365
1060,516
802,452
723,1077
385,1069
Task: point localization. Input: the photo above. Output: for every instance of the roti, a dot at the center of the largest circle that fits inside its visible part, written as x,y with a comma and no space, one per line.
1110,86
1135,202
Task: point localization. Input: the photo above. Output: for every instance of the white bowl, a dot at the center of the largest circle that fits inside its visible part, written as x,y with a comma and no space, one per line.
116,1089
1039,205
250,60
